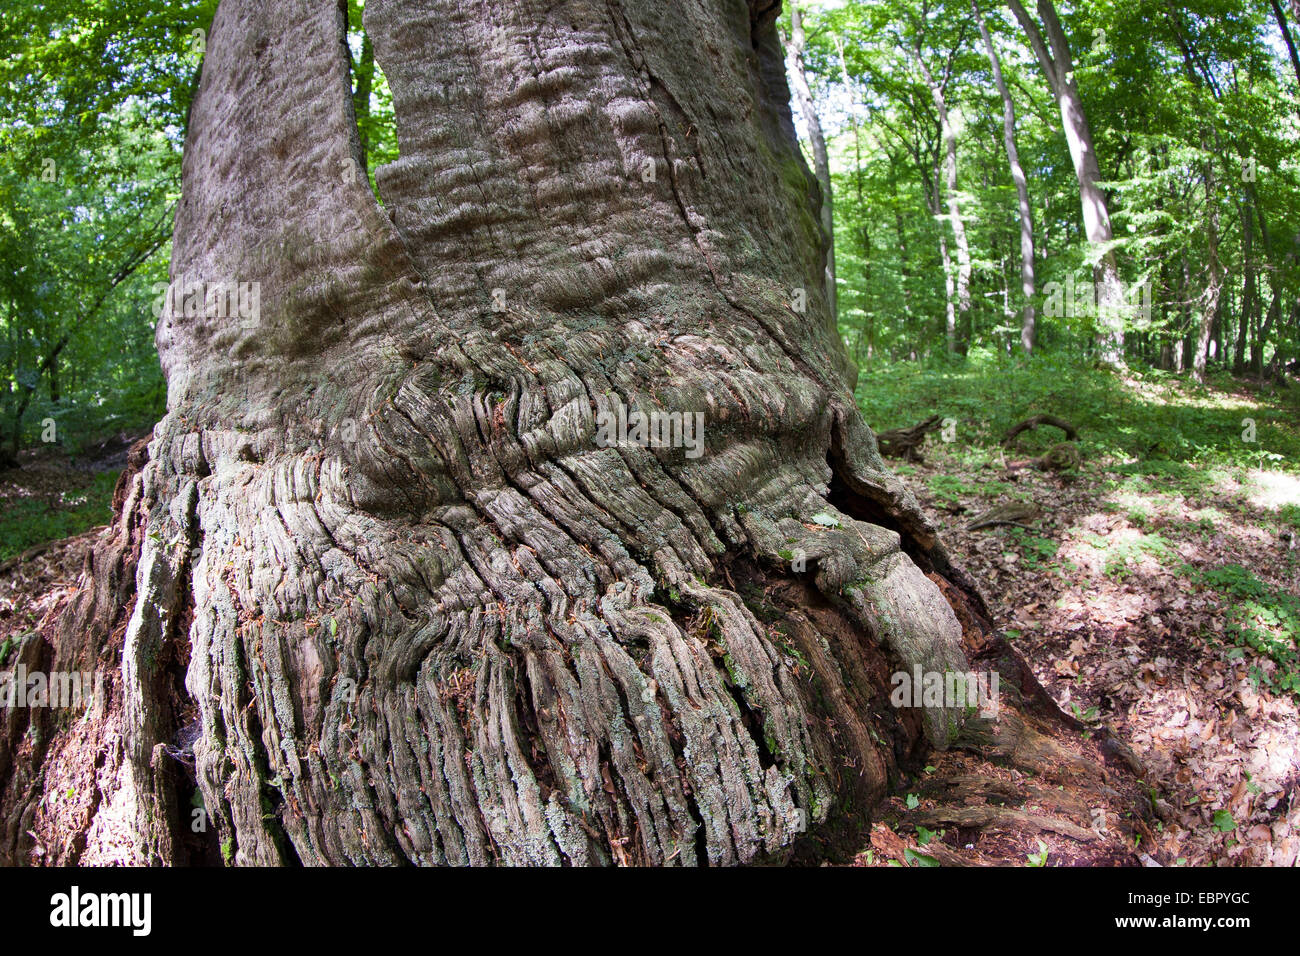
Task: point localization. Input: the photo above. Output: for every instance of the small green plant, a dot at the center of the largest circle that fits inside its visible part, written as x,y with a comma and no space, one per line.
1139,516
1121,556
1039,858
1208,521
1223,821
918,859
1262,618
1086,716
948,490
1035,551
1235,580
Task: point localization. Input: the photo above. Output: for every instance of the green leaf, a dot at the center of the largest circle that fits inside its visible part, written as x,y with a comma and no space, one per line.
919,859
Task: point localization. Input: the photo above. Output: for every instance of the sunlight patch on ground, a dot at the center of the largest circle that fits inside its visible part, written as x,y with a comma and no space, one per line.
1169,391
1124,625
1272,489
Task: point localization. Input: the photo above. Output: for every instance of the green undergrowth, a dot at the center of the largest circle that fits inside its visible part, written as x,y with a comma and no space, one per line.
1148,422
1262,618
1171,458
29,521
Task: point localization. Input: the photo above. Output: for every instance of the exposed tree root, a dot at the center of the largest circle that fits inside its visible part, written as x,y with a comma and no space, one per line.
1071,433
1014,513
906,442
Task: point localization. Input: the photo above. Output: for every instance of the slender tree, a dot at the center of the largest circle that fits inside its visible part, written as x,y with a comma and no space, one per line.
938,84
1024,210
1053,55
795,46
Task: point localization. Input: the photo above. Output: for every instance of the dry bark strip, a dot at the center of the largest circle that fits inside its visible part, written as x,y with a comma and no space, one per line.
995,816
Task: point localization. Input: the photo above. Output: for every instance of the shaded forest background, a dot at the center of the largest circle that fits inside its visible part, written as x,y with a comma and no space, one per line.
1192,109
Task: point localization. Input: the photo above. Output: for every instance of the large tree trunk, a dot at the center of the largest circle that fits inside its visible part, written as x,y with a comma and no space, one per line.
420,612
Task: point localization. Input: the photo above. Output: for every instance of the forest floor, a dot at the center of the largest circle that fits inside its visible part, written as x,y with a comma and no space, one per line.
52,509
1155,591
1154,595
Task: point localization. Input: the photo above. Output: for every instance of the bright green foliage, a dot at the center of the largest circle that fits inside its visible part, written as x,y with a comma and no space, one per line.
1157,424
1193,110
95,95
1265,619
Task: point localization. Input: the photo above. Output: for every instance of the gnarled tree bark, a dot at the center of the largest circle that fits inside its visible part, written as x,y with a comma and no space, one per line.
420,614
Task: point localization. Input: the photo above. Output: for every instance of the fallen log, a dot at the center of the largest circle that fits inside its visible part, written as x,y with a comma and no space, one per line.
1015,513
906,442
1062,457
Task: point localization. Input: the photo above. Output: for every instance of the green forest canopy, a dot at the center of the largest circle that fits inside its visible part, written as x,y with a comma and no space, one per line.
96,96
1192,110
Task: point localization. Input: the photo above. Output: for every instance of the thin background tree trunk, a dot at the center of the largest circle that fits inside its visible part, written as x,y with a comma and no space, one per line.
961,292
1249,293
1058,68
821,163
1286,33
1023,208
